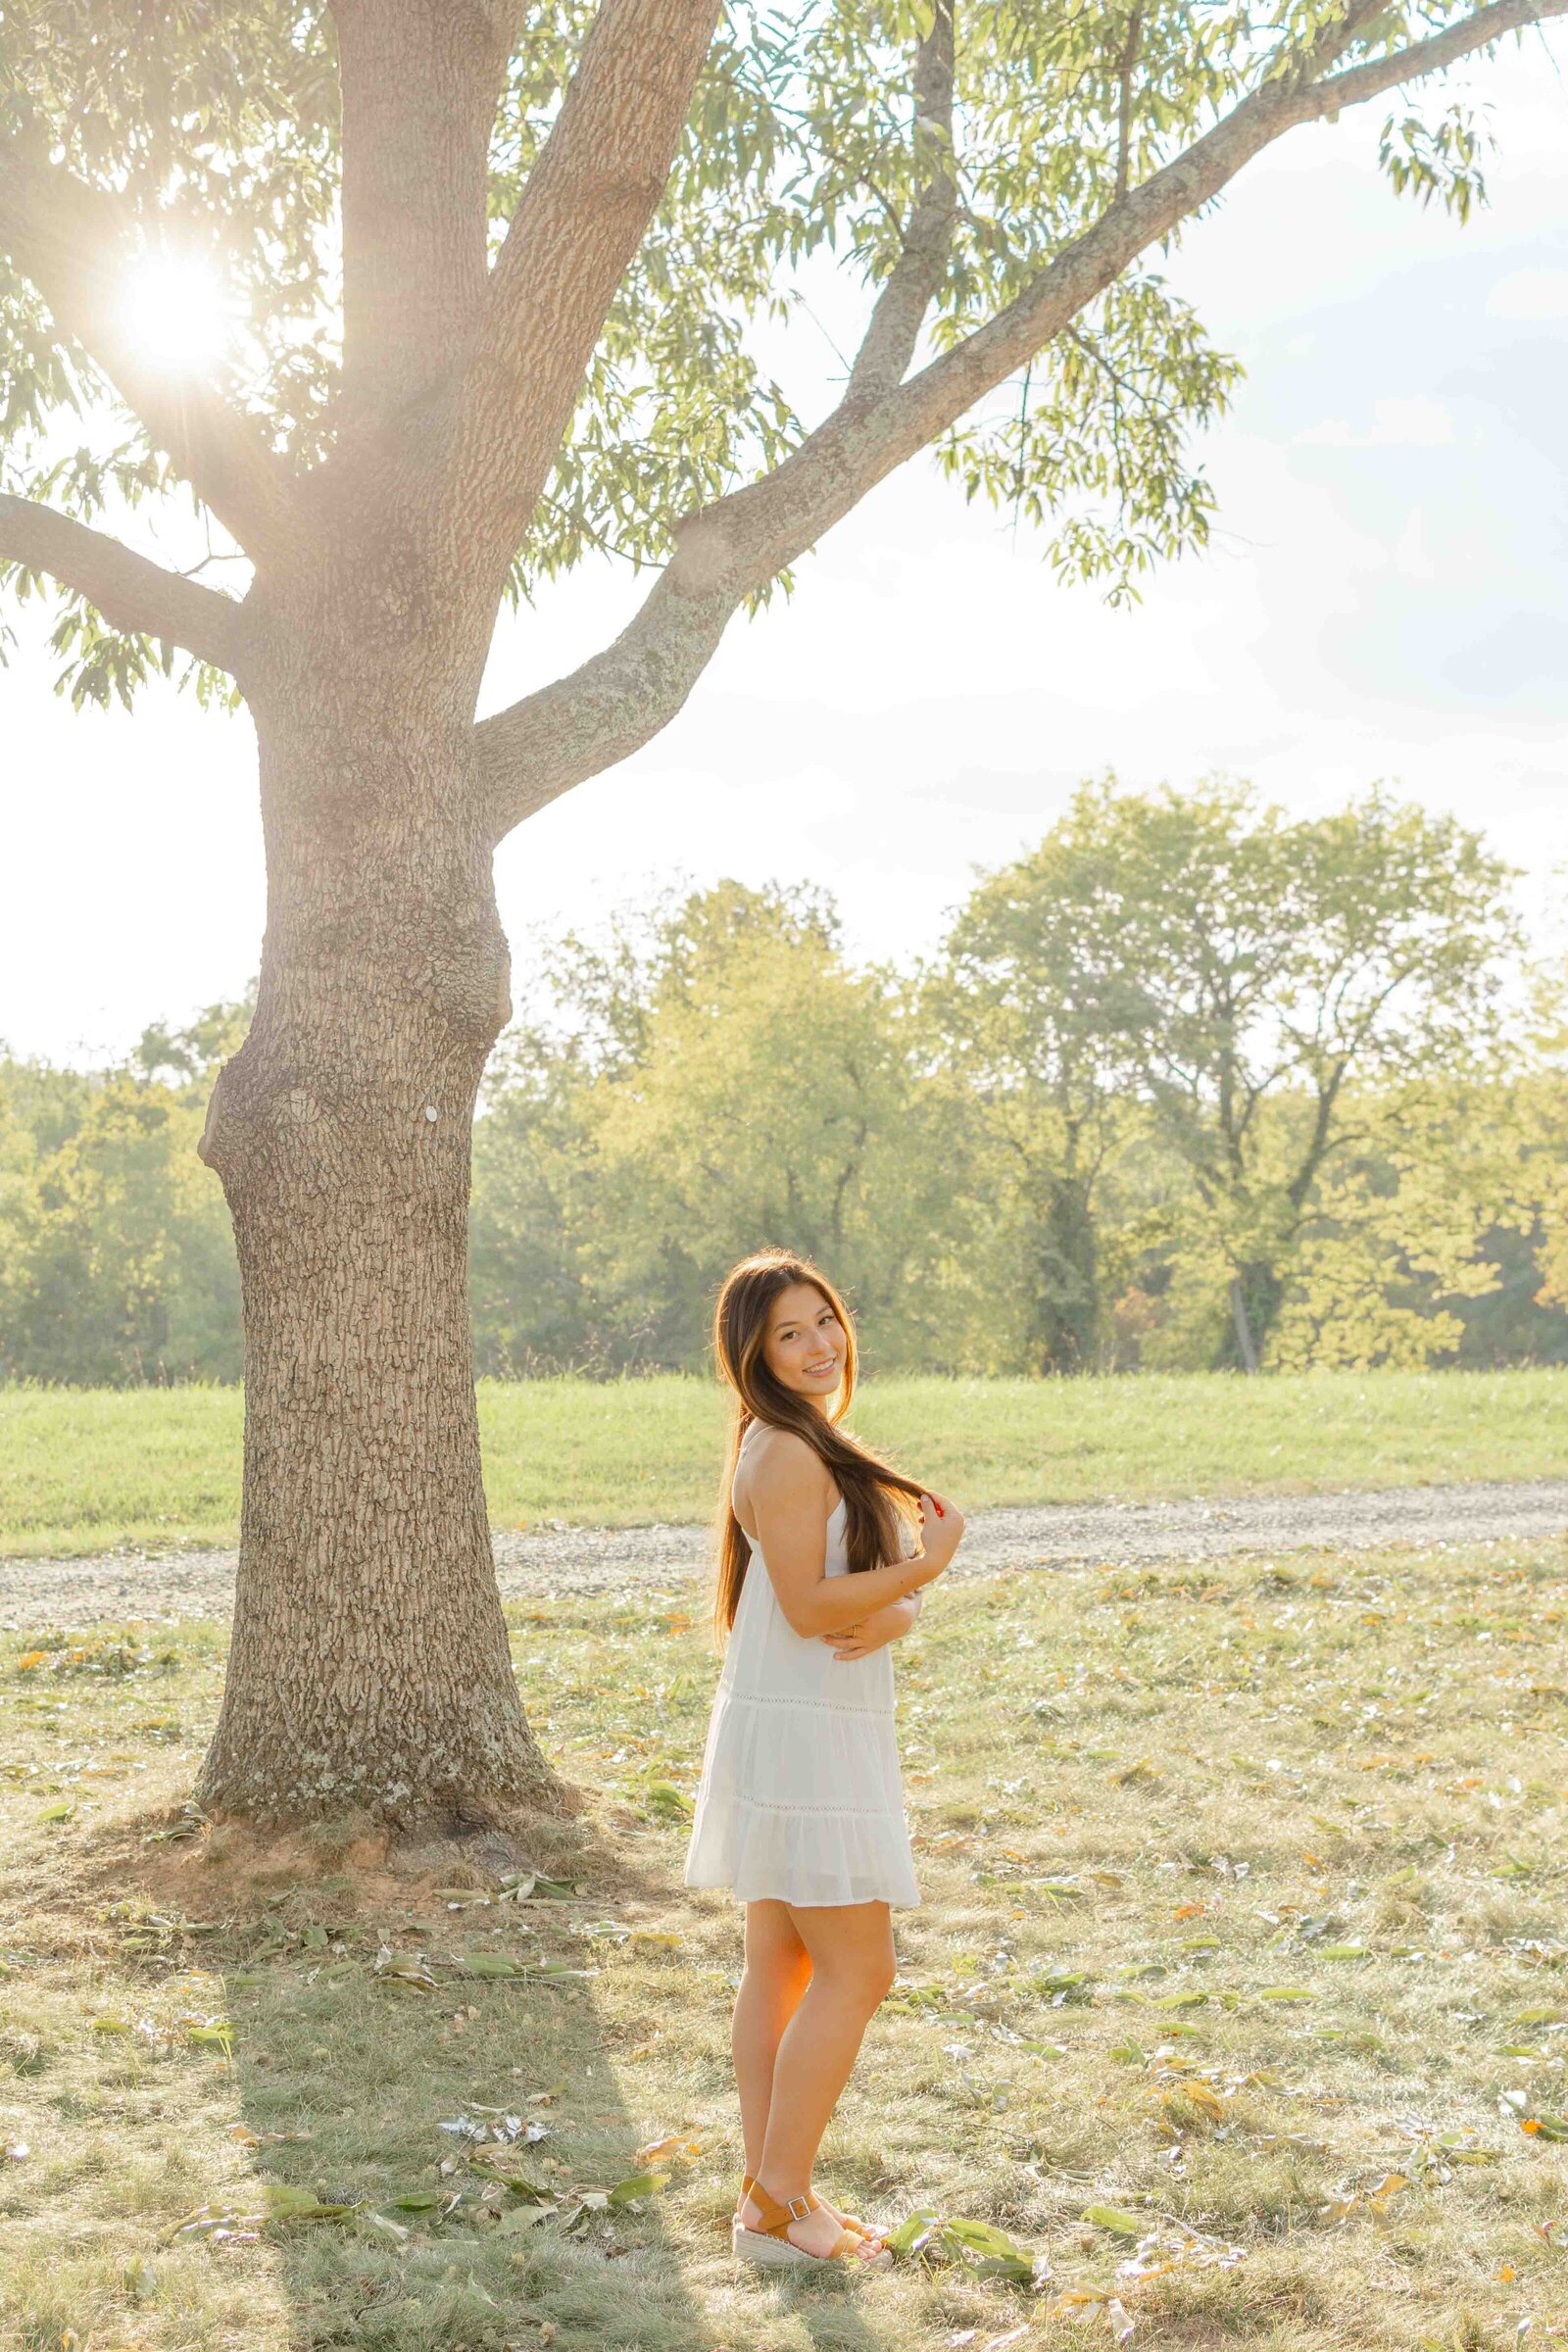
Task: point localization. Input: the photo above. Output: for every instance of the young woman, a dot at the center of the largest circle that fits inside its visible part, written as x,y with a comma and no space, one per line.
800,1804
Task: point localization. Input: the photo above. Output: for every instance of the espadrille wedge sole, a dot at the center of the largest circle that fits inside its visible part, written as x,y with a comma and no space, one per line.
850,2221
770,2246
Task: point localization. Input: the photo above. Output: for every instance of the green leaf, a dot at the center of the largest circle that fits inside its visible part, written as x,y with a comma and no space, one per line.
1116,2219
636,2187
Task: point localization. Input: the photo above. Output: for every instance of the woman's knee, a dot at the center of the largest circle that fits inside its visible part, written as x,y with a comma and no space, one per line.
774,1951
865,1977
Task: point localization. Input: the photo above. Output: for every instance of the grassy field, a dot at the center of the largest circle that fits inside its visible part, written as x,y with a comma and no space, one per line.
1238,2002
83,1470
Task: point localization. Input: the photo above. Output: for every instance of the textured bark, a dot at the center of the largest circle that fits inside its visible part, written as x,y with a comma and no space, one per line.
369,1665
129,591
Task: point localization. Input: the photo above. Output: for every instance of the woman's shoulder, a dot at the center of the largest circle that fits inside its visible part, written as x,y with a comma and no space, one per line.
782,1465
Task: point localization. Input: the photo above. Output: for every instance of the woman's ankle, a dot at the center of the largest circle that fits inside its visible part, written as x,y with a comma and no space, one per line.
798,2196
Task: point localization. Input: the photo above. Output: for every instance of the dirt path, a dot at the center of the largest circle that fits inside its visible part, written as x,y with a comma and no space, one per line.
40,1594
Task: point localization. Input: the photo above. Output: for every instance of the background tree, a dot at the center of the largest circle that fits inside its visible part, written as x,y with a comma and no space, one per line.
726,1079
1396,1240
411,420
1265,966
116,1260
712,1067
1035,1005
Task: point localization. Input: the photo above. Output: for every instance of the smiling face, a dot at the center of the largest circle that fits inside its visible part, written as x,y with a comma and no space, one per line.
805,1345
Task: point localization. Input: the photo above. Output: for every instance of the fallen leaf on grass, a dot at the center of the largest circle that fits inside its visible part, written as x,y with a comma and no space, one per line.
1545,2126
1082,2304
636,2187
1175,2247
267,2203
1346,2201
405,1968
492,2128
387,2226
659,2151
976,2246
1114,2218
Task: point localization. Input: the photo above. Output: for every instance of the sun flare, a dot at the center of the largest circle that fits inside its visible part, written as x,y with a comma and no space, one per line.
178,314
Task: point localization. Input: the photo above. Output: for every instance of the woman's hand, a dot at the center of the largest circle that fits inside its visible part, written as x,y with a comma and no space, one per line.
941,1531
875,1630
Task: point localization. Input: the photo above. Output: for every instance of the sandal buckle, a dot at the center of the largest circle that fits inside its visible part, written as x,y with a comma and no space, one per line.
799,2208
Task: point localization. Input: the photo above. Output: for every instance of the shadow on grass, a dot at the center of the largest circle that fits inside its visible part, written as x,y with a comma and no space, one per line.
346,2079
169,2144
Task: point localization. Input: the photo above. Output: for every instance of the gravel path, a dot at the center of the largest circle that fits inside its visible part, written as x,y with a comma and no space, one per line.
556,1561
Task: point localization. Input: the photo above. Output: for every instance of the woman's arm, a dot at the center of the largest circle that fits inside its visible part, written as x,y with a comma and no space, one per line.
790,1494
888,1624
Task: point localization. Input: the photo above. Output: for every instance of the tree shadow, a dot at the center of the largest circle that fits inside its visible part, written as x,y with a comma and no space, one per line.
346,2078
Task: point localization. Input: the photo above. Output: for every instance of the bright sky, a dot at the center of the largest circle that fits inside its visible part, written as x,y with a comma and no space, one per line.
1386,597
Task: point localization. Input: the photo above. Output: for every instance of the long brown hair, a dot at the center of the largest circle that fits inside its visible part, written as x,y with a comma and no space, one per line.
872,1516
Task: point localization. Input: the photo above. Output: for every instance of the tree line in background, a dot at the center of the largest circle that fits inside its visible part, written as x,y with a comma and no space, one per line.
1191,1084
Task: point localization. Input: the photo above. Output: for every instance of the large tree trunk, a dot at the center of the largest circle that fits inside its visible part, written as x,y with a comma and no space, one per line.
368,1666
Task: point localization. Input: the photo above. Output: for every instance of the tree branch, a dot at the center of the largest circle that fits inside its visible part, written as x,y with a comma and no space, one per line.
586,722
890,339
76,244
132,594
601,714
420,81
578,225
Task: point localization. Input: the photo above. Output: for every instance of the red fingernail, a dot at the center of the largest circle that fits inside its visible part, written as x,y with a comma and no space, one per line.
941,1514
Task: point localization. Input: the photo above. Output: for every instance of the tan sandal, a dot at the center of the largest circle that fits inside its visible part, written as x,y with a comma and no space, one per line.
851,2221
770,2247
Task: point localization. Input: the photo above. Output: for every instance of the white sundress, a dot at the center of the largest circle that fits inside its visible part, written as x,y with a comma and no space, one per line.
801,1796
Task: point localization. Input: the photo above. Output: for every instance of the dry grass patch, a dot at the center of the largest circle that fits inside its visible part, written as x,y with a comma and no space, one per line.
1238,2003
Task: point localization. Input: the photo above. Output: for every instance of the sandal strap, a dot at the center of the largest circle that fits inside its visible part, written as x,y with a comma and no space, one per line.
775,2218
852,2221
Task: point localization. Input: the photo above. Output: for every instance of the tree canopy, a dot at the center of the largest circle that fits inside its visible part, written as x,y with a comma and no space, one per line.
268,188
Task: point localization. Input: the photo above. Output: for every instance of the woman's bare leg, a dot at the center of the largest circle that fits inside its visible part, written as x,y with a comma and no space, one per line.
853,1966
773,1983
778,1969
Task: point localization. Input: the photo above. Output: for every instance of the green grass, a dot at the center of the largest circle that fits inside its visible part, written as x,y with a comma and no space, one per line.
82,1470
1244,1913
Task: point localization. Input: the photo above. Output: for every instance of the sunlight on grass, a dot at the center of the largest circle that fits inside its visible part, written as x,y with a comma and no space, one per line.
1239,1995
83,1470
